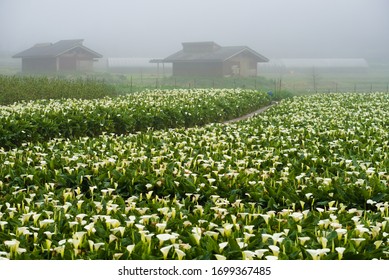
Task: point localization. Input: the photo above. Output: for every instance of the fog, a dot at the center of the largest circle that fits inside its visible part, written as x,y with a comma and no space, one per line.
156,28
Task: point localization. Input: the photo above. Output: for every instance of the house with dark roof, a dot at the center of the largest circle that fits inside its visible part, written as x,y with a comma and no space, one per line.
62,56
210,59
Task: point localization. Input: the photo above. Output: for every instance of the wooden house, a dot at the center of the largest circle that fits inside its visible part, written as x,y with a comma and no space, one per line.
210,59
62,56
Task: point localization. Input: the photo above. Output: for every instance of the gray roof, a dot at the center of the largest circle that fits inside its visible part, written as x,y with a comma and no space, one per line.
54,50
214,53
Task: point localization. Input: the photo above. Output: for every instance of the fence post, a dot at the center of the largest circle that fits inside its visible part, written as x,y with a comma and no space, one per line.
275,86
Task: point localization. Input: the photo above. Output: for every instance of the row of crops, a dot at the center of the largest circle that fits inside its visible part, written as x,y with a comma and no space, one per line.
307,179
18,88
41,120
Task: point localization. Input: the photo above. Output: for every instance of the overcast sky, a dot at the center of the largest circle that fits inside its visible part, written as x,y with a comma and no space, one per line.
156,28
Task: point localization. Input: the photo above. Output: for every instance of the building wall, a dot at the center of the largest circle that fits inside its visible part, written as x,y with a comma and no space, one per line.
85,65
39,65
75,60
240,65
67,63
198,69
60,64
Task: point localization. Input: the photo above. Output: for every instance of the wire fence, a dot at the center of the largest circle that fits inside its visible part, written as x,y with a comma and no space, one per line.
136,83
372,81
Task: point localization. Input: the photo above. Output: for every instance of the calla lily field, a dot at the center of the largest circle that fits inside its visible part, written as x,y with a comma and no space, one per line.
41,120
305,180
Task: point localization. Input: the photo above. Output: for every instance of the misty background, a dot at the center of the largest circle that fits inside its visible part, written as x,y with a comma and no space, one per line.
156,28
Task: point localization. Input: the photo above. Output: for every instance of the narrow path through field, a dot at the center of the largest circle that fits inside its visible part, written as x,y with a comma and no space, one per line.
261,110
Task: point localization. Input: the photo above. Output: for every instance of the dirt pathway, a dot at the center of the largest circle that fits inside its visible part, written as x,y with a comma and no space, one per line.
261,110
